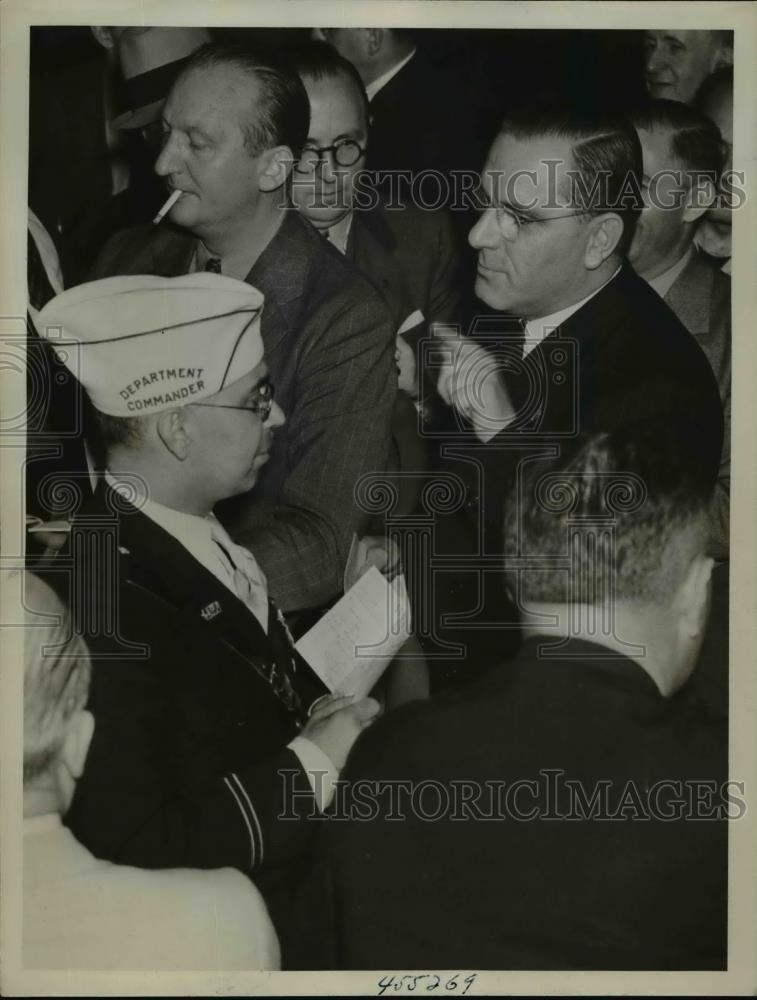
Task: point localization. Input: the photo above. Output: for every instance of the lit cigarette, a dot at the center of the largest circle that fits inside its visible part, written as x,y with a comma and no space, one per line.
168,206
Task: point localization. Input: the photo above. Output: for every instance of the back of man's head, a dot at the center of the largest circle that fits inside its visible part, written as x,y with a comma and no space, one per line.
696,145
607,162
616,524
317,60
56,685
281,114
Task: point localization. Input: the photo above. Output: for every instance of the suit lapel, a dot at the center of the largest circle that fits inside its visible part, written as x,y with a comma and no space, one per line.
159,564
281,274
371,248
689,296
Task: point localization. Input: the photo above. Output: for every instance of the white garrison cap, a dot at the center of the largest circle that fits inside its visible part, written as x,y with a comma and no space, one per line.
140,344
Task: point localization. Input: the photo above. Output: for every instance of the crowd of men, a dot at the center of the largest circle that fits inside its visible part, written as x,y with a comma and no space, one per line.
501,362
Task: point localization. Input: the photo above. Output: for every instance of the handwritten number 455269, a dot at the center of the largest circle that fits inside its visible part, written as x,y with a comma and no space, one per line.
427,983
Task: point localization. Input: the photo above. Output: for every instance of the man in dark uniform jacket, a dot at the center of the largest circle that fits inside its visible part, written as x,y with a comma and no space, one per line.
201,704
233,121
568,810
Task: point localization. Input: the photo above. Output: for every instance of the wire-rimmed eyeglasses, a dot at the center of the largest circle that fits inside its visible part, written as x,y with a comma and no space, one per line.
260,406
344,153
511,222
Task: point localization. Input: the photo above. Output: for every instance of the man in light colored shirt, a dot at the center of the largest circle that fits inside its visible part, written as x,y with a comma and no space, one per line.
195,671
83,913
683,156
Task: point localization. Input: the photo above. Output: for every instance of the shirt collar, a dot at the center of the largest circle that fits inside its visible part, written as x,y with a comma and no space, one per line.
45,823
372,89
237,265
538,329
339,233
665,281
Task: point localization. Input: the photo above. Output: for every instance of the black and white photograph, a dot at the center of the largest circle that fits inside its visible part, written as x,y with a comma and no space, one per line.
378,614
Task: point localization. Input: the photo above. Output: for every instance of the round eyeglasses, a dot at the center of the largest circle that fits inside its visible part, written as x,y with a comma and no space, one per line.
344,153
260,406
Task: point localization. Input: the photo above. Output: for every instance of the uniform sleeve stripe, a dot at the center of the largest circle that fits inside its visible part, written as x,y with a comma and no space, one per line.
253,815
246,821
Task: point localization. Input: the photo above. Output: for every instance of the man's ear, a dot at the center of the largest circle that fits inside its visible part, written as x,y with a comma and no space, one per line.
274,167
604,235
172,431
103,35
723,57
374,39
79,731
693,597
701,198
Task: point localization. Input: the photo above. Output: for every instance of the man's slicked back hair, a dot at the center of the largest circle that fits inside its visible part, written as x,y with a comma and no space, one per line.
620,510
695,141
281,116
318,60
606,158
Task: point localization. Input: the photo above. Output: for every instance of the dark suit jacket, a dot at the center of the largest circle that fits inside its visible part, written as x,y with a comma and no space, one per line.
186,767
701,298
412,259
421,121
623,360
441,886
329,347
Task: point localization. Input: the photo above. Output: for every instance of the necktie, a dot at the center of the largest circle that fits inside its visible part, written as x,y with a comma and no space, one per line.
249,582
251,588
213,264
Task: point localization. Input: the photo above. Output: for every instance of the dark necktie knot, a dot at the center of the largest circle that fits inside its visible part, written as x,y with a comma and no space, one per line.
213,264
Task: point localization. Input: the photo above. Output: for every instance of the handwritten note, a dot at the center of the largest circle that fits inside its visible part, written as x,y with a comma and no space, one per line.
354,642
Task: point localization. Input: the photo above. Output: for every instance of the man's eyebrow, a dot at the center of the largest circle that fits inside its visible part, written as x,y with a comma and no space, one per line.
674,38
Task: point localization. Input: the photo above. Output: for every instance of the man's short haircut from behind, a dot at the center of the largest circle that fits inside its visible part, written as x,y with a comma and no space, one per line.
695,141
282,113
606,157
318,60
56,676
620,506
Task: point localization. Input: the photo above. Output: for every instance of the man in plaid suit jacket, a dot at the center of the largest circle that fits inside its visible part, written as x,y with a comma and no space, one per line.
328,336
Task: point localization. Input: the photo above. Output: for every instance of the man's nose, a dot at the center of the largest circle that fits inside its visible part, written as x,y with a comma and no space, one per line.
276,417
169,159
485,234
655,59
328,169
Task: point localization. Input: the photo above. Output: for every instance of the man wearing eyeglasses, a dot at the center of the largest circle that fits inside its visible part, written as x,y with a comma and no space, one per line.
598,349
233,123
209,749
560,198
410,255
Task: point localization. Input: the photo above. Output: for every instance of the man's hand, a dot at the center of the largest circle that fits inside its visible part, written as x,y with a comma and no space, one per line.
471,382
407,367
336,723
